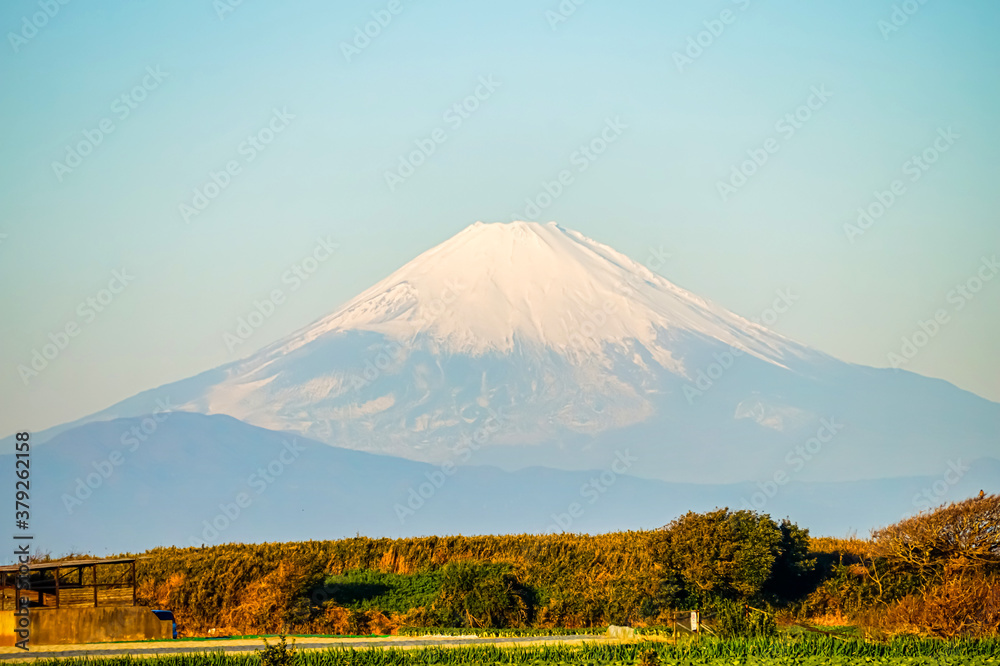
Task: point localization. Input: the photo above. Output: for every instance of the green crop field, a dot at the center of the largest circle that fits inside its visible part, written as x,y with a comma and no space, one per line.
764,652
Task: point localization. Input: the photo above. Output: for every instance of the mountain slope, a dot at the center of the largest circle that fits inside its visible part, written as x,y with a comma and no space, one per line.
523,344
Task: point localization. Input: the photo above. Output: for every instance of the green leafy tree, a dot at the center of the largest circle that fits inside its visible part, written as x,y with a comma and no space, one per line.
722,554
791,574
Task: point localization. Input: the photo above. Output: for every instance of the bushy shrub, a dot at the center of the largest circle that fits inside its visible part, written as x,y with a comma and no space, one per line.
482,595
935,573
959,536
938,572
279,654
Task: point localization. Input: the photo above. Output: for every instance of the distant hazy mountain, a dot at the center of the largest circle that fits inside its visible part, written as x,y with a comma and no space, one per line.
545,348
188,479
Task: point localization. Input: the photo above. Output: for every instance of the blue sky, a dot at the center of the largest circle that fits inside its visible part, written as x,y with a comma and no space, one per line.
222,77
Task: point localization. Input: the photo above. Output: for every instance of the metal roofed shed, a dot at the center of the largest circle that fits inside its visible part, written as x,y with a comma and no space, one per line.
53,587
78,601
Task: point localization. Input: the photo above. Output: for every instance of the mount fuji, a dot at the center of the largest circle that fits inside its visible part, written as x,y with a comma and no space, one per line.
521,344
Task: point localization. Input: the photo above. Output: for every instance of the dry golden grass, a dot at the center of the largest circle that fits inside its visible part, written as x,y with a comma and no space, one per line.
831,619
962,606
833,546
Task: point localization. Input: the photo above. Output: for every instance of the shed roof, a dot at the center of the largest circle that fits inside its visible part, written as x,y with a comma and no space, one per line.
61,564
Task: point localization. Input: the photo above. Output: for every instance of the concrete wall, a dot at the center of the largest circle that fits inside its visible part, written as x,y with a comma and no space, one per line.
53,626
7,626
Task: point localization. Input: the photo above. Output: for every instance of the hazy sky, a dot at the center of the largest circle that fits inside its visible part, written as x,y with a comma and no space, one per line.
114,113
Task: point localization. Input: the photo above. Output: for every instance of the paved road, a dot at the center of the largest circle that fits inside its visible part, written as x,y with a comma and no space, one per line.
249,645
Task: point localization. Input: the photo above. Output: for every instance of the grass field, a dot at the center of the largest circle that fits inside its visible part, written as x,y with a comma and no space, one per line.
806,650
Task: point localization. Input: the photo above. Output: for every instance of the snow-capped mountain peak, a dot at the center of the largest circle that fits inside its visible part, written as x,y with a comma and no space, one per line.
493,287
529,344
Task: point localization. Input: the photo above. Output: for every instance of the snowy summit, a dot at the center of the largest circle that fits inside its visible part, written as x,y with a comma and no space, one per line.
498,287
